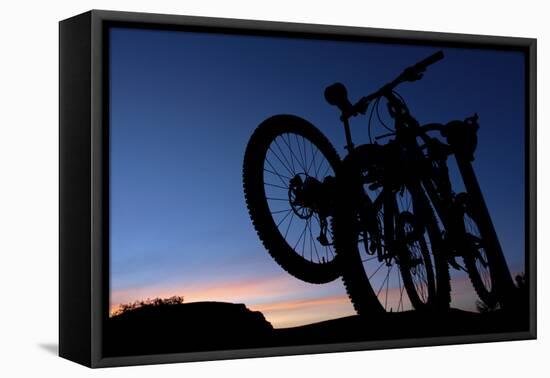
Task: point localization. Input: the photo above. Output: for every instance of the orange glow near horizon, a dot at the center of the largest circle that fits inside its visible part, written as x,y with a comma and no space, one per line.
305,311
283,301
295,313
232,291
274,296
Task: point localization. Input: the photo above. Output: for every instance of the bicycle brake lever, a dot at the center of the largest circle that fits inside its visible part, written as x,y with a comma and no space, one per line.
413,73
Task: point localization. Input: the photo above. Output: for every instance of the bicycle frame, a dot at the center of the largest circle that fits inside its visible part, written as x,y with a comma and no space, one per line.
437,185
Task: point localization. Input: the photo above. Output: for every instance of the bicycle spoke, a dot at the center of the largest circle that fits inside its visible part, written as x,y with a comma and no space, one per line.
276,186
369,258
281,211
305,156
326,172
289,223
289,150
399,286
314,242
284,156
280,176
292,154
376,271
313,154
280,161
387,287
304,242
327,250
282,220
310,246
383,282
300,151
401,298
299,239
321,164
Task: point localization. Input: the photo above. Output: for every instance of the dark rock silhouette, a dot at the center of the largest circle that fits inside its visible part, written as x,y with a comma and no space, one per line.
194,326
403,325
209,326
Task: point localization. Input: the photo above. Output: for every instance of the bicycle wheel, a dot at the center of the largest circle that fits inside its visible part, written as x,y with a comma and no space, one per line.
415,262
377,277
474,255
287,173
423,210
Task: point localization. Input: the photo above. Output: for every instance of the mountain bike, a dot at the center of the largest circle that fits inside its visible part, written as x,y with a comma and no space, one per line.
385,217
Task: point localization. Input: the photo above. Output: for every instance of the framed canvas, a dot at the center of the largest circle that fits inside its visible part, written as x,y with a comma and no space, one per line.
234,188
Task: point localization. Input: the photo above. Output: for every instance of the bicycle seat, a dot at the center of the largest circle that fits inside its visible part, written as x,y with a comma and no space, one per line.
336,94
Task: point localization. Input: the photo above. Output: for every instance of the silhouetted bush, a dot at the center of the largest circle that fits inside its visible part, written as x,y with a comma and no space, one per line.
155,302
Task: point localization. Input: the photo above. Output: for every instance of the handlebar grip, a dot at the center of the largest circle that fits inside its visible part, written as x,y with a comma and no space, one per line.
415,71
423,64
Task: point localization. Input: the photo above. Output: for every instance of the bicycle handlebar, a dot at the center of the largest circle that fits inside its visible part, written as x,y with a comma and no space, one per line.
434,58
336,94
411,73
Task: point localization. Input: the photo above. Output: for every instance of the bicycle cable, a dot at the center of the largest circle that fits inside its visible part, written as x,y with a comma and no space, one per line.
402,100
370,120
380,118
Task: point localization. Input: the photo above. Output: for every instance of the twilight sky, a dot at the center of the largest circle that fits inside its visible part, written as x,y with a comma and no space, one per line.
183,106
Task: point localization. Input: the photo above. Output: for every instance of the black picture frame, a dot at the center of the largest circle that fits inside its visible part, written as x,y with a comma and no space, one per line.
84,175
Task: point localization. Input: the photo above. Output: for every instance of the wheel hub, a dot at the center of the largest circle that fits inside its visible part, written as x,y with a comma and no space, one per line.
305,194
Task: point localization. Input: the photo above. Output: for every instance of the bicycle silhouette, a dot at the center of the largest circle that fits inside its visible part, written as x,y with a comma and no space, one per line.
385,218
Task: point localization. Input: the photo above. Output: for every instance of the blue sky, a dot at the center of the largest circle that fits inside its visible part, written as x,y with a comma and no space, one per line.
183,106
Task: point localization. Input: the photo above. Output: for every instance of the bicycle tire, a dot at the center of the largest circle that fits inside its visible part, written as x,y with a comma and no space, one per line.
356,282
257,204
486,294
414,292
